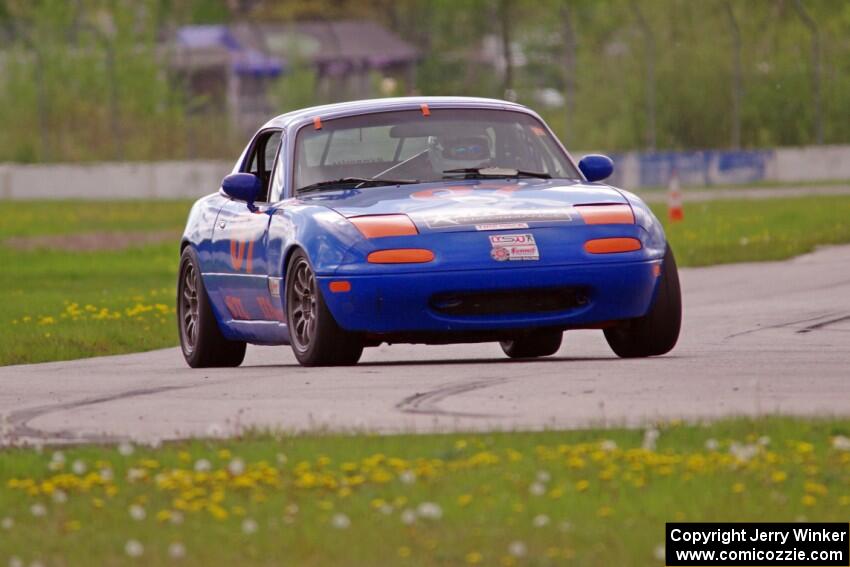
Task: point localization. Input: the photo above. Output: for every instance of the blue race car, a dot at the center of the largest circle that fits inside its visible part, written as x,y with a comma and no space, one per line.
420,220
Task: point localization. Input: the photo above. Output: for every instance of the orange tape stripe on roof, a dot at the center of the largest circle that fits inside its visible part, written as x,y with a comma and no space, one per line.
317,123
425,110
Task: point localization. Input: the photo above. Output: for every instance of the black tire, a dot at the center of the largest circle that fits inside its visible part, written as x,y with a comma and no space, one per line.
533,344
316,338
657,332
201,340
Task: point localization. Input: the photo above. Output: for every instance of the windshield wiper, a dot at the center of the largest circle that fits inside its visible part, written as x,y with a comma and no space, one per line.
497,172
361,181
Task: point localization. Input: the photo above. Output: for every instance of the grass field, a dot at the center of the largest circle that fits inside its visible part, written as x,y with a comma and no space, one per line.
593,497
62,304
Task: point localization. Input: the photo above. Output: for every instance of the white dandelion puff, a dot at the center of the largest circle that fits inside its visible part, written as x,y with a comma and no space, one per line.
236,466
16,561
249,526
650,437
660,552
340,521
543,476
540,521
429,510
125,449
408,517
38,510
58,457
537,489
177,550
608,445
134,548
841,443
202,465
712,444
407,477
176,517
106,474
59,496
281,459
385,509
137,512
764,441
517,549
134,474
79,467
7,523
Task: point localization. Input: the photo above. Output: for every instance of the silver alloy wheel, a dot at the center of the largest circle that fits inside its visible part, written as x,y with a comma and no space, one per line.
189,308
302,306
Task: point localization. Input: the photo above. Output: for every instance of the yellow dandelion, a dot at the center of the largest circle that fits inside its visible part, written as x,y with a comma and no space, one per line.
582,485
464,500
404,551
738,488
474,558
809,500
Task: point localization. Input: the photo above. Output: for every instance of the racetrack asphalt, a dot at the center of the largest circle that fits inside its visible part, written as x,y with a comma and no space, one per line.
757,339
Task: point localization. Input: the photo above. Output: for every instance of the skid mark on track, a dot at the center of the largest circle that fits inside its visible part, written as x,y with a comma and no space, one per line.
427,403
18,421
823,324
818,325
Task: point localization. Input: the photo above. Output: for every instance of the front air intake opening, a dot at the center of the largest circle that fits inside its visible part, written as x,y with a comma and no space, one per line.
508,302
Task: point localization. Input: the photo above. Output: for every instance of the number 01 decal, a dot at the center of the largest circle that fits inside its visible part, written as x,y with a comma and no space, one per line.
241,253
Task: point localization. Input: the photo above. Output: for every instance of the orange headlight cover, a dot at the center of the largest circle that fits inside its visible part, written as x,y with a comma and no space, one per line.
379,226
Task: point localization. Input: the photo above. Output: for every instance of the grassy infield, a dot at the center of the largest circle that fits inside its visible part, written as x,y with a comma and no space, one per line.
588,497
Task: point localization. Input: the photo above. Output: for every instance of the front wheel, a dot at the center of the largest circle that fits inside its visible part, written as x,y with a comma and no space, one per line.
657,332
316,338
201,341
533,345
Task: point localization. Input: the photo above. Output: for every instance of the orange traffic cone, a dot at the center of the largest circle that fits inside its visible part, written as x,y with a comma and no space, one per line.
674,199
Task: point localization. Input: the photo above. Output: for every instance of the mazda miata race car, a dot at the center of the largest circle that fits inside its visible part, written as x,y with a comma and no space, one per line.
419,220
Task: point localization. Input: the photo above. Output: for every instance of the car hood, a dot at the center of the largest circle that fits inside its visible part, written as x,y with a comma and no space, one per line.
473,204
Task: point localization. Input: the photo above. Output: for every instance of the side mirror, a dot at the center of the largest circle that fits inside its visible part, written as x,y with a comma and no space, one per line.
242,186
596,167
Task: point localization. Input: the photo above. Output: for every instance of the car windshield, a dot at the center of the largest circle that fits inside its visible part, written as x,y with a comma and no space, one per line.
410,146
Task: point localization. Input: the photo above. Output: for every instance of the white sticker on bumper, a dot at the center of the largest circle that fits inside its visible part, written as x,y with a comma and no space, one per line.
510,247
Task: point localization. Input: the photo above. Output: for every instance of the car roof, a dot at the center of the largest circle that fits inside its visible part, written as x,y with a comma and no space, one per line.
353,108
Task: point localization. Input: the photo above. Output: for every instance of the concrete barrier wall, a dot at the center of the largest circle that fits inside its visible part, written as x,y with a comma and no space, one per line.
722,167
155,180
633,170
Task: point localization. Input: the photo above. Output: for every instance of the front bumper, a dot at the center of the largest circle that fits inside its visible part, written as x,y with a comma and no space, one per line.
392,303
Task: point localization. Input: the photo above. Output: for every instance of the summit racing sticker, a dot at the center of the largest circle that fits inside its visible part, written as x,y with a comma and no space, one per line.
506,247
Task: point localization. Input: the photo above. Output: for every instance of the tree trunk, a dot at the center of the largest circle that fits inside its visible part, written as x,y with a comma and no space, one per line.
737,81
649,63
810,23
505,27
569,45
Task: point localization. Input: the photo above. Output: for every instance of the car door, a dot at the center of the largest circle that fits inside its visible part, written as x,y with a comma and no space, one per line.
240,237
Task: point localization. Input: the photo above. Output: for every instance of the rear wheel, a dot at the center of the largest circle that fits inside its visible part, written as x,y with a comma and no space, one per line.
316,338
534,344
656,332
201,340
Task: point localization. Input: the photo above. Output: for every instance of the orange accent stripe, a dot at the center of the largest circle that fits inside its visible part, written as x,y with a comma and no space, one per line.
425,110
606,214
379,226
340,286
656,270
612,245
401,256
317,123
